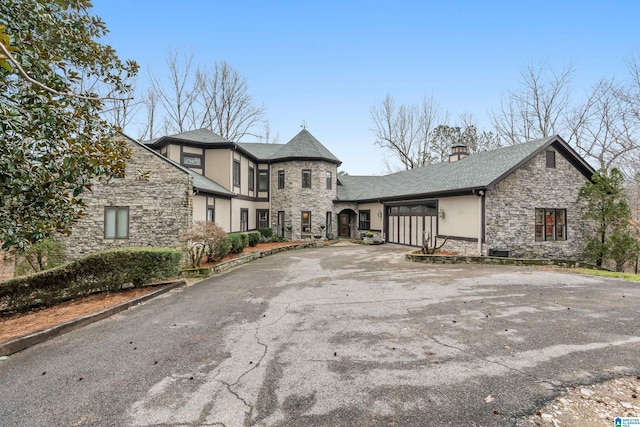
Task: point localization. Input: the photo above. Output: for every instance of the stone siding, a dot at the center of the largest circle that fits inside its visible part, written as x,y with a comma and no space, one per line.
160,201
462,247
511,204
294,199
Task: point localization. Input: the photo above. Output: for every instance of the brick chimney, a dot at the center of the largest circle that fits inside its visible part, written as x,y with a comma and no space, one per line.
458,152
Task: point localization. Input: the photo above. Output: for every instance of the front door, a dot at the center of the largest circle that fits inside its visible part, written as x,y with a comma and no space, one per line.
344,230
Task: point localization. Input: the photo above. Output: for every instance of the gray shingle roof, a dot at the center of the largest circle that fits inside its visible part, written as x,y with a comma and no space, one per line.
200,182
199,136
260,150
481,170
304,145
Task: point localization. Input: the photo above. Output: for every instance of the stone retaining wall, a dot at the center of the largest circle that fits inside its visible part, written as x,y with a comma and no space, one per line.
417,256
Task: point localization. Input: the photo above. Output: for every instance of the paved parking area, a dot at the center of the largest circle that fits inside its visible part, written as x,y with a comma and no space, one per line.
335,336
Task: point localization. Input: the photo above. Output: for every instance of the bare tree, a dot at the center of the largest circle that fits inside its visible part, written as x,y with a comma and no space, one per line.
605,128
537,109
121,112
266,136
178,98
150,103
227,107
406,131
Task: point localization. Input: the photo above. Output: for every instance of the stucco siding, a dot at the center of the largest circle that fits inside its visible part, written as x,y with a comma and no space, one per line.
376,219
218,167
461,216
223,214
199,208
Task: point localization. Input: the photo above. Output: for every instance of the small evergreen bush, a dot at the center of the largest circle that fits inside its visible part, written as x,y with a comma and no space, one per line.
237,242
266,232
254,238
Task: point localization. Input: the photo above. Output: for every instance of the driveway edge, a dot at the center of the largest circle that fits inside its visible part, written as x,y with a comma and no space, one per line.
15,345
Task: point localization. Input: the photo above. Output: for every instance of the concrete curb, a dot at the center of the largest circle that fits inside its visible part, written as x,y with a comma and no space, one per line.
15,345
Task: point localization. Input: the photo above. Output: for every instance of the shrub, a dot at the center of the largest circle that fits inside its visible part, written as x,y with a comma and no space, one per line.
237,243
205,238
254,238
222,249
265,232
103,271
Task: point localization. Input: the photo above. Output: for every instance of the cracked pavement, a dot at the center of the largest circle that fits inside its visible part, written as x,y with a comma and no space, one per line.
334,336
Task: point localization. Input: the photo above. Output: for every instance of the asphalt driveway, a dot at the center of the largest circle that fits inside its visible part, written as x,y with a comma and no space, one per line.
334,336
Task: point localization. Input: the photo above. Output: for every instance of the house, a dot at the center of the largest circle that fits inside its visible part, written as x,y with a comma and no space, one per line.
151,205
516,201
288,187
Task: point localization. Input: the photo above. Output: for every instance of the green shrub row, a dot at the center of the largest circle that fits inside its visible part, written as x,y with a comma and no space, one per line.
103,271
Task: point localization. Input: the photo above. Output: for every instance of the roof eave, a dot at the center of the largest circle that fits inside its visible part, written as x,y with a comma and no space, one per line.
304,158
214,193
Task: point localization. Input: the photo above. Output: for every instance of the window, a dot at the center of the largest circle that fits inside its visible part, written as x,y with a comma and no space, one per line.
192,160
306,178
236,173
244,219
211,217
551,224
280,180
329,223
365,220
306,222
263,218
263,180
329,180
116,222
551,158
252,179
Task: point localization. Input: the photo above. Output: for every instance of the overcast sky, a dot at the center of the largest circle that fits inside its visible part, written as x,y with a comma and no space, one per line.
327,62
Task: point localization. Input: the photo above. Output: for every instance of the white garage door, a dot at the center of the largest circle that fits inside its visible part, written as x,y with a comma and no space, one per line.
406,224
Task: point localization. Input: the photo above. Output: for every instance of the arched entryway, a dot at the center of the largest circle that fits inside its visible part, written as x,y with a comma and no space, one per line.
346,223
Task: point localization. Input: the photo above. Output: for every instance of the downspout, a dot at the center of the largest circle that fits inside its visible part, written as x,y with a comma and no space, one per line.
480,195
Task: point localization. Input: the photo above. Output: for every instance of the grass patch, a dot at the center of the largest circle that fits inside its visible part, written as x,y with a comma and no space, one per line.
625,276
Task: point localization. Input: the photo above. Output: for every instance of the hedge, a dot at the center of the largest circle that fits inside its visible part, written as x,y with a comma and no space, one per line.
103,271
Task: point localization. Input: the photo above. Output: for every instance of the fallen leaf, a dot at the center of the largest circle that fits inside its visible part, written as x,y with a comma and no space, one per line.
489,399
495,411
